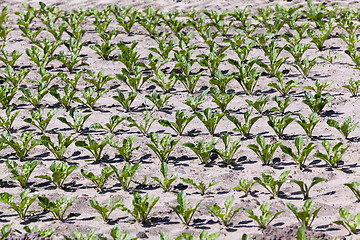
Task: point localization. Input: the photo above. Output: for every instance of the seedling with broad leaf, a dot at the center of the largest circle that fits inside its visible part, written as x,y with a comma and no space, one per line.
57,207
65,101
279,124
245,127
95,148
144,127
270,184
283,87
316,102
134,79
210,119
165,47
5,231
221,99
22,175
244,186
248,79
184,212
9,59
25,202
306,217
166,183
165,85
221,81
349,223
44,232
126,149
330,58
71,61
142,206
117,234
266,151
100,181
227,155
79,120
259,103
304,66
34,98
23,147
126,175
345,129
281,105
57,150
308,126
7,93
213,59
14,78
159,100
295,48
72,81
126,17
332,159
195,102
107,209
272,52
103,50
162,147
79,236
7,122
203,150
224,216
89,97
265,218
201,186
181,121
305,189
354,187
60,172
114,121
37,118
99,79
125,101
353,86
302,153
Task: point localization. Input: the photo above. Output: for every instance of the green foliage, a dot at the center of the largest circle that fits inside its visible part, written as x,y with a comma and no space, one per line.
306,216
126,149
134,79
259,103
270,184
107,209
245,127
165,47
203,150
98,80
281,105
66,100
213,59
14,78
22,175
90,98
221,99
332,156
114,121
103,50
145,126
37,119
279,124
117,234
345,129
204,235
181,121
126,175
301,154
125,101
266,151
220,80
42,232
95,148
295,48
201,186
210,119
227,155
7,123
73,82
57,150
305,189
248,79
162,148
265,218
23,147
349,223
71,61
30,97
354,187
57,207
100,181
6,230
60,172
272,52
142,206
166,183
165,85
159,100
194,103
7,94
74,45
316,102
283,87
182,211
308,126
330,58
304,66
353,86
126,17
25,203
78,236
78,120
226,216
11,59
244,186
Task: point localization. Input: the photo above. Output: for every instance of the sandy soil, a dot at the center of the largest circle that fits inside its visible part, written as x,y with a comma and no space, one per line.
330,195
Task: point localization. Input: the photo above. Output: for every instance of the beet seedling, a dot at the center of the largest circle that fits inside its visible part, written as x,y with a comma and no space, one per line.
270,184
94,147
79,236
165,85
25,203
150,20
31,35
222,99
305,189
227,155
57,150
126,17
159,100
66,100
248,79
353,86
245,127
226,216
181,121
60,172
302,153
203,150
7,94
296,49
7,122
126,175
31,97
304,66
10,60
308,126
57,207
73,82
98,80
279,124
210,119
354,187
195,102
23,147
114,121
14,78
90,98
78,120
100,181
5,231
332,159
345,129
305,217
44,232
265,218
283,87
23,175
135,79
39,121
74,46
145,126
182,211
165,47
349,223
316,102
107,209
166,183
213,59
266,151
272,52
281,105
259,103
201,186
104,50
162,147
220,80
126,149
244,186
125,101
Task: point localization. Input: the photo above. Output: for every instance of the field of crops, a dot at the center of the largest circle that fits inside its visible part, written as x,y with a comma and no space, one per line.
123,122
